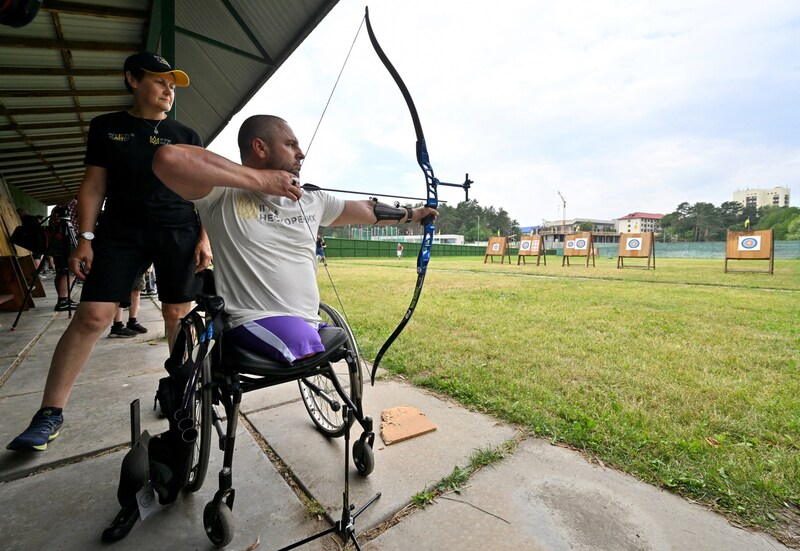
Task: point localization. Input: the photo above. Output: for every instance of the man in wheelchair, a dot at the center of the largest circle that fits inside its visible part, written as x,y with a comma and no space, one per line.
263,226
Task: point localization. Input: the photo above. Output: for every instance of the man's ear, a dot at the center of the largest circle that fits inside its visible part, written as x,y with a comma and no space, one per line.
132,81
260,149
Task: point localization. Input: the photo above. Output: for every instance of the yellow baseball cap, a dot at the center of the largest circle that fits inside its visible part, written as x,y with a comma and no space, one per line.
154,63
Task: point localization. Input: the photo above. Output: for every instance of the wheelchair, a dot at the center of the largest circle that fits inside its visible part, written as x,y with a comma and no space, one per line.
222,373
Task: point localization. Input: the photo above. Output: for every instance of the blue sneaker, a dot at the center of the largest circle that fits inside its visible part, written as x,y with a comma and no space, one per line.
43,428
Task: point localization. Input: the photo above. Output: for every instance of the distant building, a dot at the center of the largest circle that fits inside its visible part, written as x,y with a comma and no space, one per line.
573,225
775,197
636,222
443,239
603,231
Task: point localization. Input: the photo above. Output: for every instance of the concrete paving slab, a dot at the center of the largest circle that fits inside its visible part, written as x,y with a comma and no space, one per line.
30,328
401,471
68,509
111,359
97,415
550,498
98,418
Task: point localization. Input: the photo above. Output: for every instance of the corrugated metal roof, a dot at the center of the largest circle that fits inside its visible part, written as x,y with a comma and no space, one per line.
65,68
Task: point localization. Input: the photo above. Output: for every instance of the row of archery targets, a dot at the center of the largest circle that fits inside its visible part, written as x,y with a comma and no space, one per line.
740,245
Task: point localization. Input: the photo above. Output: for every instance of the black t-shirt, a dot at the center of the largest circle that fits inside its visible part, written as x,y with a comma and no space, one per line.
124,145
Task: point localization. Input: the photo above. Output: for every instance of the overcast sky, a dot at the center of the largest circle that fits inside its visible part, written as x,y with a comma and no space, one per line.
621,106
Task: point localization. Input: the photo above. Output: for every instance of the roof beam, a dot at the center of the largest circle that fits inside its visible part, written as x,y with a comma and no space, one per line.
46,178
93,10
14,172
30,148
59,72
37,159
61,93
42,125
48,186
30,139
201,38
56,44
16,111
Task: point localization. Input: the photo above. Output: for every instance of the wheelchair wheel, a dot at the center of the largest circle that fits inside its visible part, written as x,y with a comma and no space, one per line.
363,458
218,523
203,424
328,420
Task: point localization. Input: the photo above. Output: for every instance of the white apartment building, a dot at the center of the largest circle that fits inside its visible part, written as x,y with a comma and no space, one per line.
636,222
775,197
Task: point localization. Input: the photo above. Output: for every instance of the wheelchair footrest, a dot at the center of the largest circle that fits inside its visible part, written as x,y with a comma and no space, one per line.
122,524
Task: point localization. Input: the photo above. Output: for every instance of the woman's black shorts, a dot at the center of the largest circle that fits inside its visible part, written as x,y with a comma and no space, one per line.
122,254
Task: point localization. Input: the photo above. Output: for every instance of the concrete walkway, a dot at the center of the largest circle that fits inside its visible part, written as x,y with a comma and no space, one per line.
542,497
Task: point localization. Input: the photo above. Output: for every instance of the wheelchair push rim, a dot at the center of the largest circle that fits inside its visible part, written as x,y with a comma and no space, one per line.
327,418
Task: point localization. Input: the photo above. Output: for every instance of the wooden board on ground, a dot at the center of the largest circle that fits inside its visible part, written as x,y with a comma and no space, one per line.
402,423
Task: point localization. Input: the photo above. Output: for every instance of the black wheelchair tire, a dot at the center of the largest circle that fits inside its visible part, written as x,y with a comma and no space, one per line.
327,420
363,458
218,523
204,425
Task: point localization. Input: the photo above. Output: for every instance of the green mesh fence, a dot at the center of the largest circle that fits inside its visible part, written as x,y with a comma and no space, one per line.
783,250
354,248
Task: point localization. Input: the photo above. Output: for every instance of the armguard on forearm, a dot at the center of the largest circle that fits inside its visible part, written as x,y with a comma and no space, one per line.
385,212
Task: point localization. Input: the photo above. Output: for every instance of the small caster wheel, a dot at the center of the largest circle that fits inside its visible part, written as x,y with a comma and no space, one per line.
218,523
363,458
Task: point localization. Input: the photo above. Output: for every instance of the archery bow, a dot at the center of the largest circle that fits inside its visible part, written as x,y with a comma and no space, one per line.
431,184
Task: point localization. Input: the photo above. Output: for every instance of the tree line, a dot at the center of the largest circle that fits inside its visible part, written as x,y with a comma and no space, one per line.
698,222
468,218
705,222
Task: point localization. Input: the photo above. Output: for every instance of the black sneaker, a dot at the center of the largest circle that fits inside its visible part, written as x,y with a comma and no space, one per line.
121,332
136,326
43,428
64,305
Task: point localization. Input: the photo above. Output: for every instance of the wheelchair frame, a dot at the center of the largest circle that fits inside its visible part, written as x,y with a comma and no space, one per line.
221,377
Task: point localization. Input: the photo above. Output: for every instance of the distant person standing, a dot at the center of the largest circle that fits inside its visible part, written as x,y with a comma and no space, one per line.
144,222
66,212
321,246
133,327
399,250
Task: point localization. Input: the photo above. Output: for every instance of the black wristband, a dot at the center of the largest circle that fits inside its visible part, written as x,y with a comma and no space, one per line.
410,215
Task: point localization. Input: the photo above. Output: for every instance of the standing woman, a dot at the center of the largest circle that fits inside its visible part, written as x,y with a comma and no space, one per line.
143,222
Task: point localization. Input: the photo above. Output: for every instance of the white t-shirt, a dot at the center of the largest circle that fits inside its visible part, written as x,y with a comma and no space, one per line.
264,251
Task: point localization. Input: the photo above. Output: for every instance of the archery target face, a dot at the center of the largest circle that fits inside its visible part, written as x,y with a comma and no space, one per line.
495,247
581,244
749,242
634,244
525,245
571,244
534,245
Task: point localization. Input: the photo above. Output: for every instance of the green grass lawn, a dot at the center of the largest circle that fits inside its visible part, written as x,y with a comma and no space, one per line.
684,376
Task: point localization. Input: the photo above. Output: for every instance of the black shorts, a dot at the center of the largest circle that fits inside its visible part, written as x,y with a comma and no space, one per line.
121,255
61,265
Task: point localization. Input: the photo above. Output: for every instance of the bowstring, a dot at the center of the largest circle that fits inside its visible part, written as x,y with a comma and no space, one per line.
335,84
305,157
